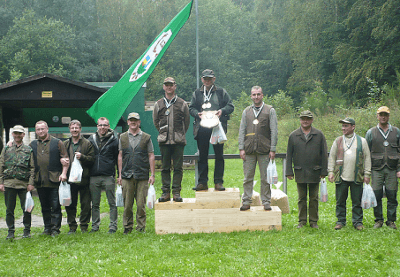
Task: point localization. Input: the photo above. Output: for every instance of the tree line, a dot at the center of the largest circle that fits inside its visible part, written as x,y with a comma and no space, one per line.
332,51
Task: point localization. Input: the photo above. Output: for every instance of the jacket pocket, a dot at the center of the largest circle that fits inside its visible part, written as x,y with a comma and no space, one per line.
377,161
393,161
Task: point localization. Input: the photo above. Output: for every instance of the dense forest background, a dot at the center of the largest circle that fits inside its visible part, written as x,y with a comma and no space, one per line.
312,53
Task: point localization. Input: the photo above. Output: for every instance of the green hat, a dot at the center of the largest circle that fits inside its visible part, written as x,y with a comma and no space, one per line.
207,73
306,113
348,120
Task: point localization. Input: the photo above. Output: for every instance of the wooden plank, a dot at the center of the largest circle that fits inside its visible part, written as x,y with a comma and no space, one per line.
229,194
191,203
185,221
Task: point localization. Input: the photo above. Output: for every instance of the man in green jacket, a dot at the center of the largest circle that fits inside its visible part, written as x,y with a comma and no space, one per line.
307,154
82,149
17,171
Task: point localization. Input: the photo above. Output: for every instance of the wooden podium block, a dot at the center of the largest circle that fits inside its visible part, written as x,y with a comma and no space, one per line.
225,220
211,199
192,203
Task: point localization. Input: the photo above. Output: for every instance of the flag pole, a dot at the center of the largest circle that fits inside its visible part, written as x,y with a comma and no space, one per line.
197,45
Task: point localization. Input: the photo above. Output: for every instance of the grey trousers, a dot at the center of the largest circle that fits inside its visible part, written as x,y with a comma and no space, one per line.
97,184
249,168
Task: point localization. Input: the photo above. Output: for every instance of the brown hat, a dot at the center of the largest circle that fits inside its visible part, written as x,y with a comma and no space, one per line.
169,80
18,129
306,113
134,115
383,109
207,73
348,120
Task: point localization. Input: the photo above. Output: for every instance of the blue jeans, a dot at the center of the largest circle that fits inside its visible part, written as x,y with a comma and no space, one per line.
51,209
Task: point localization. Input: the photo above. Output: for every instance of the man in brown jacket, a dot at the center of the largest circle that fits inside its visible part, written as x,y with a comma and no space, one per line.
307,154
82,149
171,118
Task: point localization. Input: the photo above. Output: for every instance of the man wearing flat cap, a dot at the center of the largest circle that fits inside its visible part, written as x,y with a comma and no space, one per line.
349,166
171,119
307,154
384,142
212,99
135,161
17,172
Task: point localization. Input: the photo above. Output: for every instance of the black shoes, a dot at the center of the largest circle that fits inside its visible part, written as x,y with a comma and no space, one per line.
71,232
267,207
245,207
27,234
127,231
111,231
10,235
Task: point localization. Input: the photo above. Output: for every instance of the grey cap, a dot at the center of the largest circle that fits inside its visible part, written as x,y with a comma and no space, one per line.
348,120
19,129
134,115
306,113
207,73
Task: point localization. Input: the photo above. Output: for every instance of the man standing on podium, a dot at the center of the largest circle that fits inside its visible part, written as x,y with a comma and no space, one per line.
258,136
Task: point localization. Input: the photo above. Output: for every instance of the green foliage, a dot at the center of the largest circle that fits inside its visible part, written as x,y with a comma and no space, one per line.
282,103
316,101
31,39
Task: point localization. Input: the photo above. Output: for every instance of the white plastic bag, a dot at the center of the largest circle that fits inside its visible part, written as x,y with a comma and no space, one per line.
64,193
368,199
324,190
272,173
29,204
119,198
75,175
218,135
151,197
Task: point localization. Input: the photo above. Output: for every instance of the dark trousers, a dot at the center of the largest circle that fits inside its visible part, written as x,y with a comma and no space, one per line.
203,144
10,197
312,189
342,191
86,206
172,152
51,209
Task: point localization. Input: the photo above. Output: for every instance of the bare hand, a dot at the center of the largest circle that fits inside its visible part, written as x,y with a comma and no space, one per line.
271,155
366,180
2,187
9,143
30,188
290,177
398,174
64,161
151,180
63,177
243,155
200,114
218,113
119,180
331,177
78,155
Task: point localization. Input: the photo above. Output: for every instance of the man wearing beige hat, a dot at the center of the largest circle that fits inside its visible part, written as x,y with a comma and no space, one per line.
349,166
171,119
213,99
384,142
135,161
17,172
307,154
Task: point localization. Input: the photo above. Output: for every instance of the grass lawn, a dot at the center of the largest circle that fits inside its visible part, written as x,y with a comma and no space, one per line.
290,252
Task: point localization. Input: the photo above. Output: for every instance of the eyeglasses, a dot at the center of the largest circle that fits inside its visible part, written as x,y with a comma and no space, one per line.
103,125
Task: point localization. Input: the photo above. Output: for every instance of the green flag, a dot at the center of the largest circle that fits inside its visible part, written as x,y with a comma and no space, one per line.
113,103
